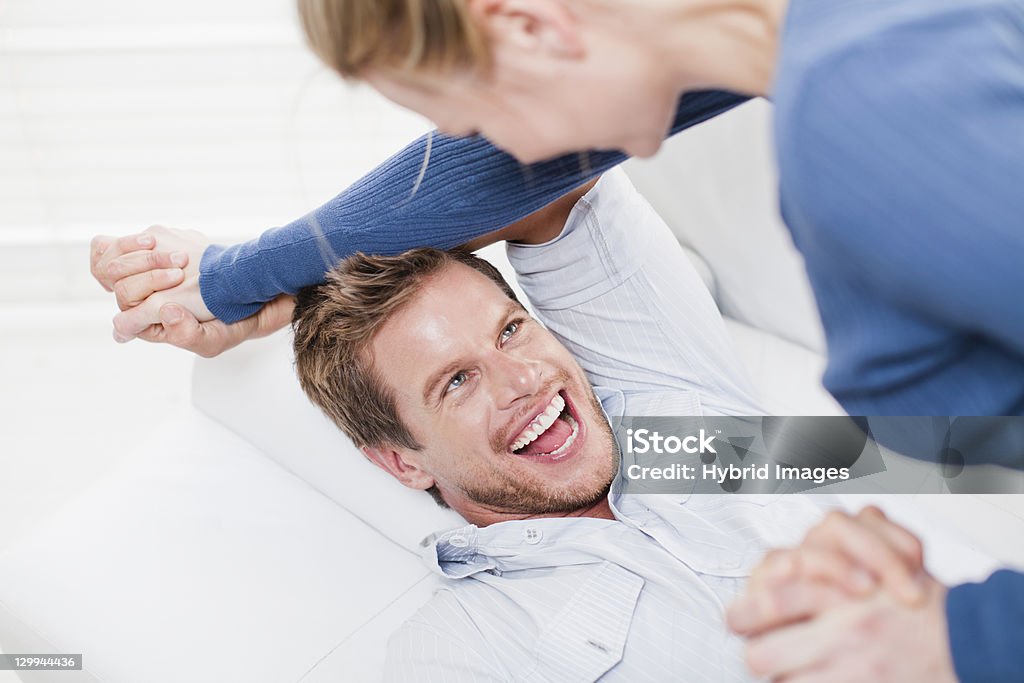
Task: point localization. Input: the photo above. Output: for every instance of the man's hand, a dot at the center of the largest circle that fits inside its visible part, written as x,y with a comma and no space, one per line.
852,602
842,558
147,271
877,639
180,328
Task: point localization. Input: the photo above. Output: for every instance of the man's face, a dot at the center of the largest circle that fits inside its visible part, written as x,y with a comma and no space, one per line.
505,415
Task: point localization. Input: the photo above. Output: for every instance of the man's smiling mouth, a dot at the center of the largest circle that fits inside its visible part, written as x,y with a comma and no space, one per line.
551,433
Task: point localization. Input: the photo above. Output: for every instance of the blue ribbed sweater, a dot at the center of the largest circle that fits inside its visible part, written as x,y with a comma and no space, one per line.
470,188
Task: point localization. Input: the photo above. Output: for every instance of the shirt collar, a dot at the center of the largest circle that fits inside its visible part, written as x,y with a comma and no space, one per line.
512,545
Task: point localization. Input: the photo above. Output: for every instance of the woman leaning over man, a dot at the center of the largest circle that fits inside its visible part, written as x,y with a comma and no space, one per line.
899,130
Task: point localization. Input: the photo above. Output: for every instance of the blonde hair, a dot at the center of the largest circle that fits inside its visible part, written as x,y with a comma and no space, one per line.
404,36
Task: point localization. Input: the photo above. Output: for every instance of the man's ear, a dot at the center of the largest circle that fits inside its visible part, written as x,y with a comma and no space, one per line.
536,25
402,468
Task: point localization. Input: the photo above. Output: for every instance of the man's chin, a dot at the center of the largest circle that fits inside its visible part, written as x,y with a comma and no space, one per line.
552,504
545,490
584,480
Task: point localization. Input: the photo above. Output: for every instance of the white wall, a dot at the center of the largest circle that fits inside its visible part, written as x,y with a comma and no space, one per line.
116,114
211,115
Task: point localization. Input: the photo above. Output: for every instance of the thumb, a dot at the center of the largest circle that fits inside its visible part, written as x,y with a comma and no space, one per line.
183,329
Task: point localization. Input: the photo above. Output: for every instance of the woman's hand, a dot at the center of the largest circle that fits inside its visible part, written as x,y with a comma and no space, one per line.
844,557
155,277
878,639
852,602
147,271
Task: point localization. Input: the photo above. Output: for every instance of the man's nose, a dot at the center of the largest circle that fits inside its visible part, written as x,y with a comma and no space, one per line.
515,378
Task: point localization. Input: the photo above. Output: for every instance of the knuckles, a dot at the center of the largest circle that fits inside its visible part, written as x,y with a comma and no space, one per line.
872,511
122,295
834,523
836,518
97,246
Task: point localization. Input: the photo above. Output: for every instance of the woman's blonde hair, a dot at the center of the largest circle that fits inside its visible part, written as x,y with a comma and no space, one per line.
403,36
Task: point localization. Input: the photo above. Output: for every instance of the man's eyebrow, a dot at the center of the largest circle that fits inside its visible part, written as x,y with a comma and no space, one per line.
431,385
513,308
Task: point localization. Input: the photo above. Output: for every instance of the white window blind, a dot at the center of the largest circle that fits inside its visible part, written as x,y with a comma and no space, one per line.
116,114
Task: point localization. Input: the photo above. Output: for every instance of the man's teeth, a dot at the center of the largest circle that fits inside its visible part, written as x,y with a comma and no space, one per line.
540,423
558,452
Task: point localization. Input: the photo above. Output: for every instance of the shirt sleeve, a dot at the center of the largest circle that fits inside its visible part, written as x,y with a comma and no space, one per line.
986,628
617,290
469,188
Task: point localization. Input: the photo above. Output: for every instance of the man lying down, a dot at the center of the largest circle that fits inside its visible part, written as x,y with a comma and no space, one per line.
430,364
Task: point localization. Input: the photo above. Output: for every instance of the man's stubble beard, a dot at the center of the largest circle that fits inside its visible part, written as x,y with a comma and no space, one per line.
514,494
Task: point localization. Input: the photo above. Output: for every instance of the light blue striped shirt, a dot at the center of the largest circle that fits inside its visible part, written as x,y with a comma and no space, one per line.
637,599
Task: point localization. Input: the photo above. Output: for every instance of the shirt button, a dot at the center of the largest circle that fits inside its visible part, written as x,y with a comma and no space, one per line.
532,535
458,541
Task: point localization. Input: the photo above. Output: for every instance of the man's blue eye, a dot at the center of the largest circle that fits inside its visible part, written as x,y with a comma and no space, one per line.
509,330
457,380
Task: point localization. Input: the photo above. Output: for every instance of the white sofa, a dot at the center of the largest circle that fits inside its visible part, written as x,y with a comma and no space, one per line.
265,549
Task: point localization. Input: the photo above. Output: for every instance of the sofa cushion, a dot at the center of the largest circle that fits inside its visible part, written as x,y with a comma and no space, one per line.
201,560
786,374
253,391
716,187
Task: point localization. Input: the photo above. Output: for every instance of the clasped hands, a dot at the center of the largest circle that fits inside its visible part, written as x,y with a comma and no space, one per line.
154,276
852,602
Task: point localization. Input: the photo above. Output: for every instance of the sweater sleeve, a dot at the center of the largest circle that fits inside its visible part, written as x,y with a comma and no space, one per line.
986,628
469,188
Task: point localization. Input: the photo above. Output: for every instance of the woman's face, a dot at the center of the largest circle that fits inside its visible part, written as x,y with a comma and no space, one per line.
549,92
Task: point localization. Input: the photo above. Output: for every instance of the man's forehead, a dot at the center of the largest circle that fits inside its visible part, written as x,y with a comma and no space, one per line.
441,323
456,294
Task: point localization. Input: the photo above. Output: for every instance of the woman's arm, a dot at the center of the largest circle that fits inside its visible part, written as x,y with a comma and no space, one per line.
986,628
470,188
179,326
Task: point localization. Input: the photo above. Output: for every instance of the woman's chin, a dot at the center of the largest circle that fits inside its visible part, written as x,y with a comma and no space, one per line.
643,148
535,154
